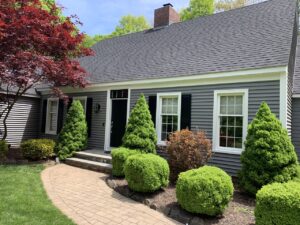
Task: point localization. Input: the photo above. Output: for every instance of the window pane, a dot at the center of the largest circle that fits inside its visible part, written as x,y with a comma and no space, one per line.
223,141
239,100
238,109
239,121
223,131
224,120
231,121
238,132
223,100
231,100
53,106
53,119
230,132
230,142
223,109
238,143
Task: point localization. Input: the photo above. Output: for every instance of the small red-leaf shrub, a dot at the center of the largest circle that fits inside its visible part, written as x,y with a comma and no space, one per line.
187,150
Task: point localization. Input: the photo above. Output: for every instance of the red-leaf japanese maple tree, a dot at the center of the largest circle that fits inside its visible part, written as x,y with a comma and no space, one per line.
37,46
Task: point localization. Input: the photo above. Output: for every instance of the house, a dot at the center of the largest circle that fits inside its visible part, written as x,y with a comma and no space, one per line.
210,73
22,121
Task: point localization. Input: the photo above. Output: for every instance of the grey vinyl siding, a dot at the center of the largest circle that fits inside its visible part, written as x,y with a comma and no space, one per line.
296,125
98,119
23,121
202,109
291,70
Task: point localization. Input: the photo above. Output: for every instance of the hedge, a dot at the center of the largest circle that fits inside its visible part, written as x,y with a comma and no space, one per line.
206,190
36,149
146,172
119,157
278,203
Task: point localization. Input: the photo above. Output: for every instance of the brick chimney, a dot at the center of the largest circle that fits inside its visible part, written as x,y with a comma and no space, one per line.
165,16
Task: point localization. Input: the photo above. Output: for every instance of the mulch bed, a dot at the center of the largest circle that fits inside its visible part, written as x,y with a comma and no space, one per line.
239,212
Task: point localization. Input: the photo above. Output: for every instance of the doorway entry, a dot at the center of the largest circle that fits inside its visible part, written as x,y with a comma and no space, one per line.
119,100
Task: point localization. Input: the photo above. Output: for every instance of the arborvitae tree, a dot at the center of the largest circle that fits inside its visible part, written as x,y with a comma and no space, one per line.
269,154
140,132
73,136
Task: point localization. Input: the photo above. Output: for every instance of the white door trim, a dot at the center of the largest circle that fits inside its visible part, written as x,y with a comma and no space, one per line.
107,147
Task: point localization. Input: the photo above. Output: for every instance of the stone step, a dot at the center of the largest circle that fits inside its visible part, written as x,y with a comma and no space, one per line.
90,165
93,157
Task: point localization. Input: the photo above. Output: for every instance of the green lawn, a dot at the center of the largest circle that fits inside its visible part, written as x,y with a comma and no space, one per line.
23,200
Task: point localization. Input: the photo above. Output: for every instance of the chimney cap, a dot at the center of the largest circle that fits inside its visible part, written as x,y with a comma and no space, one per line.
167,4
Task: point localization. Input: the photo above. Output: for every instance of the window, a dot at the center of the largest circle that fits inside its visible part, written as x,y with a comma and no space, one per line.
52,112
115,94
168,115
83,100
230,120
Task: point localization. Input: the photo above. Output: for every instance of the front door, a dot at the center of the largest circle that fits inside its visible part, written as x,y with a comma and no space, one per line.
118,121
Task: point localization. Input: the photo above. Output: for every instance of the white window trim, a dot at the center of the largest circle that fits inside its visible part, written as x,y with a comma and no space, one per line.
216,122
81,98
48,131
158,110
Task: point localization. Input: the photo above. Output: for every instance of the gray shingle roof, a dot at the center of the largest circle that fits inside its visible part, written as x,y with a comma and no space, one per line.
251,37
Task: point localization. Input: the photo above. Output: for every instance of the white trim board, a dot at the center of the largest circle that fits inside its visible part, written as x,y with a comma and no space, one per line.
216,122
158,112
283,99
196,80
107,147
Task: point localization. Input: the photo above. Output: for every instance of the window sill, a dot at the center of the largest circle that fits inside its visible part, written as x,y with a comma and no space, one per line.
232,151
51,133
162,143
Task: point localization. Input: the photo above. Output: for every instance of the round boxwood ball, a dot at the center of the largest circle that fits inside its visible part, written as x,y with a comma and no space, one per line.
146,172
206,190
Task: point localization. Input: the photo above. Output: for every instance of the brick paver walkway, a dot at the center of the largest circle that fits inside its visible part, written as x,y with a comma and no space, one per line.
84,197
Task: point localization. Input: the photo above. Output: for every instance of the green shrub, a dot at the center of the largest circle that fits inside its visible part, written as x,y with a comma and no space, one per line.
140,133
269,154
297,178
35,149
3,150
73,136
119,157
206,190
187,150
146,172
278,204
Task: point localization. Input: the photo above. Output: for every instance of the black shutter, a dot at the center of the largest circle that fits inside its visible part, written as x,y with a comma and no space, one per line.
60,116
44,116
89,113
186,105
69,103
152,108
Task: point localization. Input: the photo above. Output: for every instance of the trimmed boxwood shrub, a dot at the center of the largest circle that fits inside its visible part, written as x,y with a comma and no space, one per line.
278,203
73,136
146,172
140,133
35,149
3,150
119,157
206,190
269,154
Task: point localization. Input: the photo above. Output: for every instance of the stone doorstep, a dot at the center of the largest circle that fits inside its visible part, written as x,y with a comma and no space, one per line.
90,165
93,157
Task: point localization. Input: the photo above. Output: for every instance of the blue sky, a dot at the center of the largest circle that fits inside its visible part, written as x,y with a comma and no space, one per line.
101,16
